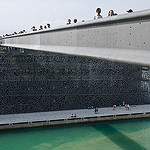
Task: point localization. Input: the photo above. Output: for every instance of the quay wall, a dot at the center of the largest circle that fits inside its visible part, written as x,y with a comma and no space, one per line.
73,121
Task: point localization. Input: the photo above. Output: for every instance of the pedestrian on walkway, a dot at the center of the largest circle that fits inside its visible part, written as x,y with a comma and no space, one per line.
123,103
89,107
114,106
96,110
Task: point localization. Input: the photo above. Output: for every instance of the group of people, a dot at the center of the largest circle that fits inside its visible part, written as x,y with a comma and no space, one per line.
69,21
33,29
73,116
95,109
41,27
91,107
15,33
110,13
127,106
98,16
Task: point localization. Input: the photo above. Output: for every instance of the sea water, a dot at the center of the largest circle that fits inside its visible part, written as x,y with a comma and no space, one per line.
116,135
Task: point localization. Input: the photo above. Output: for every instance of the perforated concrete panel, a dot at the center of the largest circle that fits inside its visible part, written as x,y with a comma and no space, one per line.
126,38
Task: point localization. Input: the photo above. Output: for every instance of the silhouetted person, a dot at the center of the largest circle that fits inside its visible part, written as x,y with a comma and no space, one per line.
21,32
75,20
14,33
96,110
48,25
69,21
33,28
24,31
130,11
45,27
41,28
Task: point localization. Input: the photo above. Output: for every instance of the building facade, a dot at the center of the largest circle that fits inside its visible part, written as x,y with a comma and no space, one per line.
38,81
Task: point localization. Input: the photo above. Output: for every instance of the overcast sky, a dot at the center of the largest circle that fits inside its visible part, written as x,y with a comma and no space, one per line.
17,15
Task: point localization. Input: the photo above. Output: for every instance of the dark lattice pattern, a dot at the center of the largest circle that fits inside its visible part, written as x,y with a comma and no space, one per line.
35,81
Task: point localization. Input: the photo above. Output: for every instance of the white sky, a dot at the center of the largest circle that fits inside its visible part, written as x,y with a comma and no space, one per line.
17,15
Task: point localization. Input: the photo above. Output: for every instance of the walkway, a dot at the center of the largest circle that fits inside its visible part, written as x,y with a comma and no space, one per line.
59,115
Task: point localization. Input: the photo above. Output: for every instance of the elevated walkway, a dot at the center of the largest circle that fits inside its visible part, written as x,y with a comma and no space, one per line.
122,38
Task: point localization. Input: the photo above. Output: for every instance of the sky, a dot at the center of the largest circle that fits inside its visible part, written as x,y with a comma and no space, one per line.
17,15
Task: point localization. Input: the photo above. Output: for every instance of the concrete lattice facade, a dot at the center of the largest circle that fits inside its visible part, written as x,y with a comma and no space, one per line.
37,81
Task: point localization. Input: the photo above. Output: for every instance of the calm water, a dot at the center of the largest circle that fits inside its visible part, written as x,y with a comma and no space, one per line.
118,135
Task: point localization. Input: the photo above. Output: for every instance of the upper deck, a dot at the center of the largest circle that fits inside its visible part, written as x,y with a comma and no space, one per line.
123,38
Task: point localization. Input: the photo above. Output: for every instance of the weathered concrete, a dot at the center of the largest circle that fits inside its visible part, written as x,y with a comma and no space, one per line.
123,38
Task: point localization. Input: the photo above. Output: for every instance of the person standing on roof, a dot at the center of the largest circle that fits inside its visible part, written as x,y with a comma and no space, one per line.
98,16
130,11
75,20
69,21
48,25
111,13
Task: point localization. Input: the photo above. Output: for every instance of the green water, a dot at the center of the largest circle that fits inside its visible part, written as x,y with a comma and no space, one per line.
117,135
